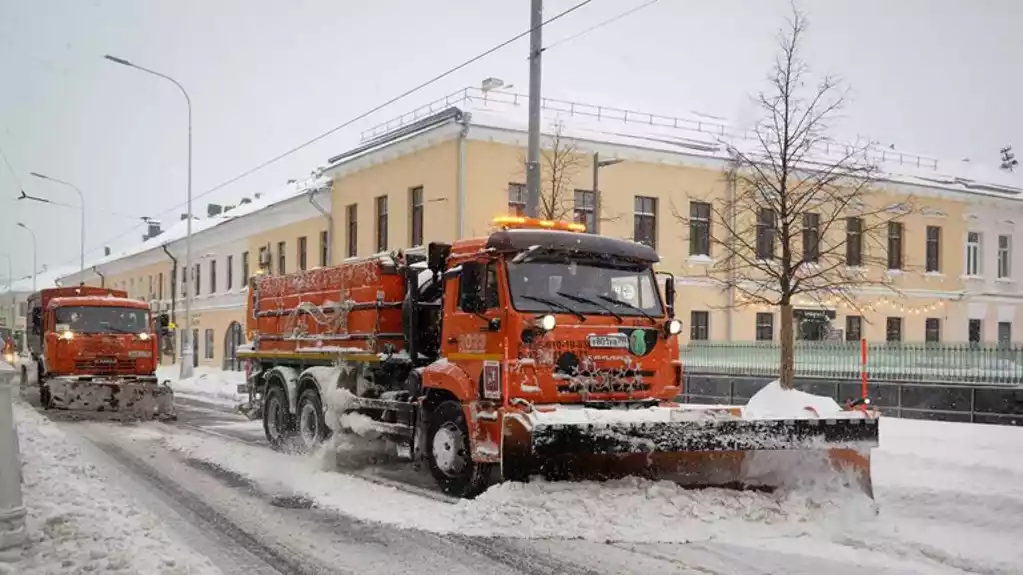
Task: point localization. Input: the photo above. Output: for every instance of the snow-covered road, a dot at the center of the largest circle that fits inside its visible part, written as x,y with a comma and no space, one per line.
949,500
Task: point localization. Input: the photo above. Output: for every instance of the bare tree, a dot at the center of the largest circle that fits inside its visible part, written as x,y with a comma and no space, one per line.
560,163
799,217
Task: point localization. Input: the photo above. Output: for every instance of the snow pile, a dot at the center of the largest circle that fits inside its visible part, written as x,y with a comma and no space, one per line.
641,510
79,522
773,402
208,384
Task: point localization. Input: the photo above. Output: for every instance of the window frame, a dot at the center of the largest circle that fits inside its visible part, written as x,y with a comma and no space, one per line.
932,250
854,241
230,273
767,220
764,326
518,197
893,329
1004,256
700,222
416,213
209,343
699,325
380,210
213,276
811,237
303,253
352,226
849,321
584,209
282,257
645,214
245,269
324,248
932,330
896,235
974,259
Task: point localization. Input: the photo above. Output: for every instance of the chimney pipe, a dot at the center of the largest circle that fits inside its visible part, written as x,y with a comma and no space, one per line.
106,250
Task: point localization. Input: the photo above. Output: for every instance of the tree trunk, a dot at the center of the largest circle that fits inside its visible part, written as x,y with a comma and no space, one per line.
787,367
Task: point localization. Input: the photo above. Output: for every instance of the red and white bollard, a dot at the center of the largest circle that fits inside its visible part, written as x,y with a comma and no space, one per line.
12,510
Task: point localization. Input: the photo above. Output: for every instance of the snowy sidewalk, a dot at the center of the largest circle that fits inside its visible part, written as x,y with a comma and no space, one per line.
207,384
79,521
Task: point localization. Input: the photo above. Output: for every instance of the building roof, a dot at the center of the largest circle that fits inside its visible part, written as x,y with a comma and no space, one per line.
691,134
179,229
46,278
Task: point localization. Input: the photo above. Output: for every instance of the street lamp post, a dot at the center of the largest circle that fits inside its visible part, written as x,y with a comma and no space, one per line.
10,291
34,253
81,199
597,165
186,351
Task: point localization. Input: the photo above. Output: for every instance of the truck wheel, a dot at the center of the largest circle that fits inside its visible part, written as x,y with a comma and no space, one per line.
278,423
312,428
447,451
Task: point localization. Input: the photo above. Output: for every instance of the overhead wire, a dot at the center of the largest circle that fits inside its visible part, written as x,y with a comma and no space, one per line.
602,24
363,115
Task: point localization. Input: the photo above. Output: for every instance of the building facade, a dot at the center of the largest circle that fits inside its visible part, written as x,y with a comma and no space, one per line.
445,171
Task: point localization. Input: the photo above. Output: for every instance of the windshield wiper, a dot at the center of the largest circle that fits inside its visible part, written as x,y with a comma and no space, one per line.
630,306
581,299
116,329
554,304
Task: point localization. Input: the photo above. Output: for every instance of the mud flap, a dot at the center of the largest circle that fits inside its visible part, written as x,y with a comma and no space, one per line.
734,453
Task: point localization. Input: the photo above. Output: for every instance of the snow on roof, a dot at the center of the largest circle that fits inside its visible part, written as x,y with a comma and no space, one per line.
179,229
691,133
46,278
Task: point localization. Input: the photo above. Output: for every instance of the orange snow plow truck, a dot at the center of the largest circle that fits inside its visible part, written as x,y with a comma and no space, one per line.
537,350
95,350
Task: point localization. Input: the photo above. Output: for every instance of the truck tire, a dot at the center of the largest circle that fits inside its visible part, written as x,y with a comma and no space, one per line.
312,425
447,453
278,423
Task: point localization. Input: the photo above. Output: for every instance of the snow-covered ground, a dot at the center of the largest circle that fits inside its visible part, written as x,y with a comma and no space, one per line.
948,495
208,384
79,522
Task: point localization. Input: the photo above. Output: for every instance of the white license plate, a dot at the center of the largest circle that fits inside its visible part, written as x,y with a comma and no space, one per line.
619,341
137,354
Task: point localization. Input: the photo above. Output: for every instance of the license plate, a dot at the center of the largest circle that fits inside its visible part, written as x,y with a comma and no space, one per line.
617,341
243,388
137,354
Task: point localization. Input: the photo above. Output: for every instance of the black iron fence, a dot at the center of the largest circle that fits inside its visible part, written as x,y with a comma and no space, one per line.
890,362
983,403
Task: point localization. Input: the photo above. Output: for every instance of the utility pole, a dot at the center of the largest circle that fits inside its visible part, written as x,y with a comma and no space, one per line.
535,75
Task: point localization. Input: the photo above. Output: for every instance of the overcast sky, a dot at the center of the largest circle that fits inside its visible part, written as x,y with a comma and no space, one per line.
939,77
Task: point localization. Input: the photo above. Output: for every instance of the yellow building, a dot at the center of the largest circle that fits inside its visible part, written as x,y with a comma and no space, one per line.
445,170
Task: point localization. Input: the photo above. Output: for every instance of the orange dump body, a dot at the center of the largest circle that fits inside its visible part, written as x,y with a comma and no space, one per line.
362,299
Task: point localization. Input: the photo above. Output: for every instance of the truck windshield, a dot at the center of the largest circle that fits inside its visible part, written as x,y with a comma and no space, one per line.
574,285
101,319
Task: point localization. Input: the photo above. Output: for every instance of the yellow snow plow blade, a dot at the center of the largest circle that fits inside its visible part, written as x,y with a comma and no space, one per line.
695,447
120,398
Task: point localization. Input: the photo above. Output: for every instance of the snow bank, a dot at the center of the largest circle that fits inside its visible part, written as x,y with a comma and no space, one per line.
774,402
209,384
79,522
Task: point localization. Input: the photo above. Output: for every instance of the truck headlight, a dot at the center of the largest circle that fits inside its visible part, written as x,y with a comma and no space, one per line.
144,336
546,322
673,327
67,335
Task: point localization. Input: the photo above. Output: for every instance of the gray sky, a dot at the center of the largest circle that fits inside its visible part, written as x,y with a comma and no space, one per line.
934,77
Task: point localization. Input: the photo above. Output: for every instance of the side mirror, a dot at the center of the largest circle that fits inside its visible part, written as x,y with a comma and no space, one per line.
471,282
669,295
37,320
437,256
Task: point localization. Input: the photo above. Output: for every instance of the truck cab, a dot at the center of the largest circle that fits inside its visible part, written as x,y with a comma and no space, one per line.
86,334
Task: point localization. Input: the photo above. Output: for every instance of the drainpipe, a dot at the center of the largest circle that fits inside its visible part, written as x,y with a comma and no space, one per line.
330,226
460,208
173,282
102,278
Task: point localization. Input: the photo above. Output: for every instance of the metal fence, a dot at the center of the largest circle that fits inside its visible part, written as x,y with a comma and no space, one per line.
977,403
891,362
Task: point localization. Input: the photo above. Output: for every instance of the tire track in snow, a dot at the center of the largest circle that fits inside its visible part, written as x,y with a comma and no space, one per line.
279,558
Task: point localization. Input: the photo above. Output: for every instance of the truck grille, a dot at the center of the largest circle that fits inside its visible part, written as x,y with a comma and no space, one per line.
105,366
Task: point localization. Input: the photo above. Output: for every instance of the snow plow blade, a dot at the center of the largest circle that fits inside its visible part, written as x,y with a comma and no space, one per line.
695,448
122,399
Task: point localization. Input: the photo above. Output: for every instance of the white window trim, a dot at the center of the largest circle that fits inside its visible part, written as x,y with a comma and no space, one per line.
977,269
